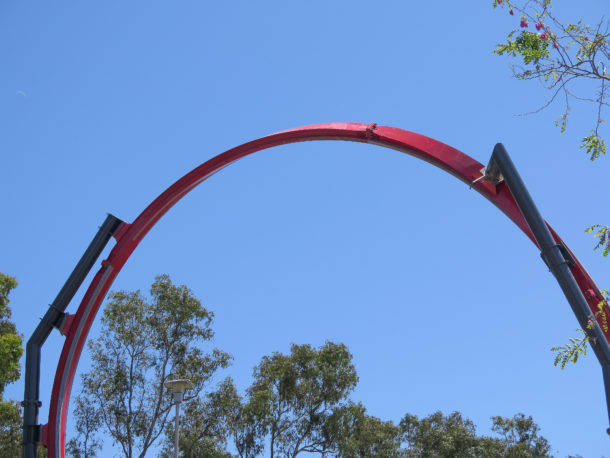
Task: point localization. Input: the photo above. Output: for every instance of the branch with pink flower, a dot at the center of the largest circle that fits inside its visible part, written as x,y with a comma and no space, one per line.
560,56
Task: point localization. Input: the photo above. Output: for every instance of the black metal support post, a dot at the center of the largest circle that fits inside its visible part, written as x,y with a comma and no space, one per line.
501,164
53,318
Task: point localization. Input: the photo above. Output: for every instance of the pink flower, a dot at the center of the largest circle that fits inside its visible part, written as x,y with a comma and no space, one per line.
556,45
511,12
524,23
586,38
543,36
499,2
539,25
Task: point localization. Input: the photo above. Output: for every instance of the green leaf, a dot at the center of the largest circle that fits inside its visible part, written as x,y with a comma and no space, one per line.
570,352
594,145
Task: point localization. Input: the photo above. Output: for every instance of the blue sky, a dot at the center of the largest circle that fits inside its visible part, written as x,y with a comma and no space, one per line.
443,302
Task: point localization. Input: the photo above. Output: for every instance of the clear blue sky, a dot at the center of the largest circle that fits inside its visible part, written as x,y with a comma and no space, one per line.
444,303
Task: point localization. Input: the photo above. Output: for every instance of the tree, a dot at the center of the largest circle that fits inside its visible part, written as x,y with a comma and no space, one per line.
141,344
242,423
88,421
299,403
454,435
11,349
291,404
294,395
356,434
437,435
566,58
203,427
519,437
10,429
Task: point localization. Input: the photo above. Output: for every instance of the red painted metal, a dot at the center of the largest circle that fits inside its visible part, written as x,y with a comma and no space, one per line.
128,237
65,326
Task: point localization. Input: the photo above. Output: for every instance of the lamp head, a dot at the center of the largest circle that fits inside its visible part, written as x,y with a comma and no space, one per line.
178,387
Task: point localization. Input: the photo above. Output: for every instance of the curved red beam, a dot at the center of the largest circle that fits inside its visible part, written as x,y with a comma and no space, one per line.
129,236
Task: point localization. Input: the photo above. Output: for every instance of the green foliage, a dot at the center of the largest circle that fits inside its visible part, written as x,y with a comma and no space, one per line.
559,55
593,145
439,436
570,352
7,284
601,233
10,351
577,346
602,306
451,436
11,342
140,344
10,429
519,437
88,421
356,434
562,122
298,404
293,396
244,422
527,45
203,425
291,405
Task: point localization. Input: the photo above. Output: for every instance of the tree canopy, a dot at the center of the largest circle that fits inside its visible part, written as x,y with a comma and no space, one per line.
11,349
294,395
299,402
141,344
453,435
11,343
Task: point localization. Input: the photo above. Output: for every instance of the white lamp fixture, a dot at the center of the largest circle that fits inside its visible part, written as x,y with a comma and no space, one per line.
178,387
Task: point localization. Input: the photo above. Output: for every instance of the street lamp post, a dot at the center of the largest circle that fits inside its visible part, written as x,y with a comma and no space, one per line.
178,388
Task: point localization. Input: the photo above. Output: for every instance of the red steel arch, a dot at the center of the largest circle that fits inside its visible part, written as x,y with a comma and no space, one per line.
129,236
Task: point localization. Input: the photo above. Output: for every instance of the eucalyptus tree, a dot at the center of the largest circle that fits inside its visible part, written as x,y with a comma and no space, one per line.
299,403
293,396
88,421
11,349
205,427
453,435
142,342
289,408
355,434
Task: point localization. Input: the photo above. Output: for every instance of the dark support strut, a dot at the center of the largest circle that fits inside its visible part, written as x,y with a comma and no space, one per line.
554,255
54,318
